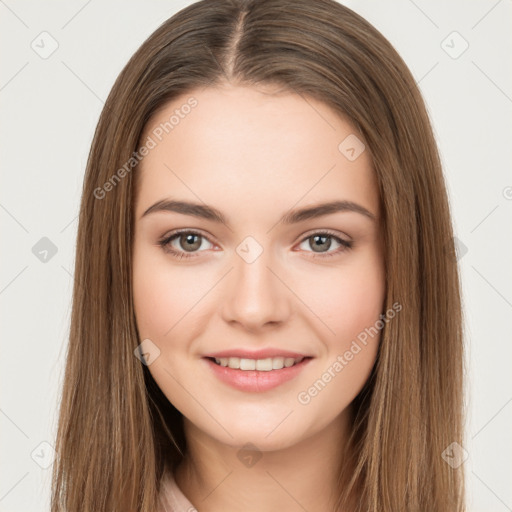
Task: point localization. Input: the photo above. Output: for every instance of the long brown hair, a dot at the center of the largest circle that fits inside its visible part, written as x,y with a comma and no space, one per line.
117,432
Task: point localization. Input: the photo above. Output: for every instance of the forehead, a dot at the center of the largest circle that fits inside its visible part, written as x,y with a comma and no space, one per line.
235,145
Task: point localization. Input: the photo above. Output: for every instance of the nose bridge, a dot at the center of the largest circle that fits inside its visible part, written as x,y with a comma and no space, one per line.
256,296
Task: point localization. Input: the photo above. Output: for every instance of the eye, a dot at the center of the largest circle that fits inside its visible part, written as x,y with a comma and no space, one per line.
187,243
322,241
183,244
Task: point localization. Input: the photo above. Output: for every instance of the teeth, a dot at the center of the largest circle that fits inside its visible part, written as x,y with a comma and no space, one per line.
264,365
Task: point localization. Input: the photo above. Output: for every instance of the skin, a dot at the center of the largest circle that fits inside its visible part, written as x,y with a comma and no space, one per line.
254,155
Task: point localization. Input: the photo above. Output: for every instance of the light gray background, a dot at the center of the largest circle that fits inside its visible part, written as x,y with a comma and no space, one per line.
50,107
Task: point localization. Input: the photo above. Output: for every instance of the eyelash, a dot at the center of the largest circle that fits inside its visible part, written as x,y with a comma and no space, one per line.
346,245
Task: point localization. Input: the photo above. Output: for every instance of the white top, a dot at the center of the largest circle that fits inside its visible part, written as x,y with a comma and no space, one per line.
172,498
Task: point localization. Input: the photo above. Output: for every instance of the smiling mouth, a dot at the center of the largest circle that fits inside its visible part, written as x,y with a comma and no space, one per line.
265,365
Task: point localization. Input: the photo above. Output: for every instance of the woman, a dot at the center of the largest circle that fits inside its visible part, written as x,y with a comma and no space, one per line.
266,312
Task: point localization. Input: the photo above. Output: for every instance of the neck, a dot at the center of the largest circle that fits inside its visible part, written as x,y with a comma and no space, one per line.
216,477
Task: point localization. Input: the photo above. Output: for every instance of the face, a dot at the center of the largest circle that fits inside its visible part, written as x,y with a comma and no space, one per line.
244,273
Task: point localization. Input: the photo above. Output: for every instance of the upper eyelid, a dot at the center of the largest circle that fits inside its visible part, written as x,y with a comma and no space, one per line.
330,232
173,234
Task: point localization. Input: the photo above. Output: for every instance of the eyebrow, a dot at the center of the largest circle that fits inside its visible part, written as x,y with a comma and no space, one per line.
292,217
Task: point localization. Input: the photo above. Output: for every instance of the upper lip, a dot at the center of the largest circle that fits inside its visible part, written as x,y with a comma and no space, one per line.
263,353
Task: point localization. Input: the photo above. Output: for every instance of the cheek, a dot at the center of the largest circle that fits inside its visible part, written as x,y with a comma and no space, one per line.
362,303
349,299
162,295
351,308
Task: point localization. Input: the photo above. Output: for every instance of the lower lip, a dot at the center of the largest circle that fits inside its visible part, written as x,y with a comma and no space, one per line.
256,380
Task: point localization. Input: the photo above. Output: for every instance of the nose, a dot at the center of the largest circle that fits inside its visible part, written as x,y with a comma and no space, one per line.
256,297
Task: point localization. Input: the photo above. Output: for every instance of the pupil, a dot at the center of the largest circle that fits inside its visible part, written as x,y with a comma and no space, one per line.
322,243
